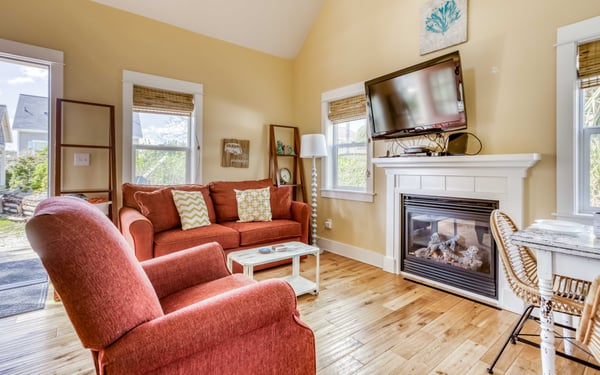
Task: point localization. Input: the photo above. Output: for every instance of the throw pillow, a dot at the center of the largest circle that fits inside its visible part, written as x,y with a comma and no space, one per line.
253,204
281,202
159,208
192,209
223,196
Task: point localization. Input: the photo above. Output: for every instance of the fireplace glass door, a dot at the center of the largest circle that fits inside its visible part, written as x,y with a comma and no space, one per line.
448,240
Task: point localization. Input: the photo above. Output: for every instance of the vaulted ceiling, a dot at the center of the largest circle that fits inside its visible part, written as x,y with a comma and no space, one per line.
276,27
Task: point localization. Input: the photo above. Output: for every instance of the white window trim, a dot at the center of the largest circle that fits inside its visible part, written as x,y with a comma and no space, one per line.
54,60
362,196
130,79
567,184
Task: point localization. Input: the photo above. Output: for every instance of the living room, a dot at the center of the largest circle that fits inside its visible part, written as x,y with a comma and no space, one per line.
509,69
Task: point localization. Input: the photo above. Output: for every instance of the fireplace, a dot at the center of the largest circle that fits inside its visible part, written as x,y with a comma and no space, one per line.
448,240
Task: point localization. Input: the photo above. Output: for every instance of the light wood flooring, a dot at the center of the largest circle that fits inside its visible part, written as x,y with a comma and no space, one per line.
366,321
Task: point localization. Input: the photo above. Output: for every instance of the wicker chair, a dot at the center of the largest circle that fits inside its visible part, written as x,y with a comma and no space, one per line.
520,267
588,332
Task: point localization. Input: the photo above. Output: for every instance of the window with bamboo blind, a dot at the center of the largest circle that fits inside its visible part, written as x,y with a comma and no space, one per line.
578,119
588,70
162,127
347,170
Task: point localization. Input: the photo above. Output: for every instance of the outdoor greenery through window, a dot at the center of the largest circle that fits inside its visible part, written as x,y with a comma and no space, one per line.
591,137
349,153
346,172
161,148
162,131
589,112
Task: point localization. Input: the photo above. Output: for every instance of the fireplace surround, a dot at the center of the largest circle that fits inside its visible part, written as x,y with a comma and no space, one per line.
498,177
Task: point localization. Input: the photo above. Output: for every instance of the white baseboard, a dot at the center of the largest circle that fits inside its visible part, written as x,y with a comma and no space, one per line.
352,252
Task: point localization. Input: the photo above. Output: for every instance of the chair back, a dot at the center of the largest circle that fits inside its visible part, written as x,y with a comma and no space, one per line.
518,262
103,287
588,332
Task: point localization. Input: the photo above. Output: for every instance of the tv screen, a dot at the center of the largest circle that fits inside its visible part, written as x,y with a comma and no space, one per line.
421,99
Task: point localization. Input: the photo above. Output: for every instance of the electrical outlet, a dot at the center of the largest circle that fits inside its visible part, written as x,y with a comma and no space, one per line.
81,159
328,224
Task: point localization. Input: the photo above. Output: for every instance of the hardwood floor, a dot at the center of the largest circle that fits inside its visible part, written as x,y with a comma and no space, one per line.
366,321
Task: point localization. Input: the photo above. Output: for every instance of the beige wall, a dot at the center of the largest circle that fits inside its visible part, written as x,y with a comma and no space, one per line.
244,90
512,111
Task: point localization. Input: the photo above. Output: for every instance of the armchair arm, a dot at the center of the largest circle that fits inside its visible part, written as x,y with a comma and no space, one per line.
202,327
301,213
183,269
138,232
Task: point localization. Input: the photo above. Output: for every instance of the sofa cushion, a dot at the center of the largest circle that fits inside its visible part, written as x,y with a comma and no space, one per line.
258,232
223,196
159,208
281,202
176,239
253,204
191,208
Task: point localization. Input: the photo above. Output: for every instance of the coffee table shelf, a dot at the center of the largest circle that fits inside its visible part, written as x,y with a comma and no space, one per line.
250,258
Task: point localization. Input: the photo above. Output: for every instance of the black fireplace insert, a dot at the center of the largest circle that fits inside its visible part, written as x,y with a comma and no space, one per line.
448,240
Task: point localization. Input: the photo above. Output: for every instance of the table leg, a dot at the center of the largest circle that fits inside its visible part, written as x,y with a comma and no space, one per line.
548,352
295,266
249,271
317,271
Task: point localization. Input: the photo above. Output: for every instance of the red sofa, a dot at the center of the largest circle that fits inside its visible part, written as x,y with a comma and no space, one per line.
150,223
183,313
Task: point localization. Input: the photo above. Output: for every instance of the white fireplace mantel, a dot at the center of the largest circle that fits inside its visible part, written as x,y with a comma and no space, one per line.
498,177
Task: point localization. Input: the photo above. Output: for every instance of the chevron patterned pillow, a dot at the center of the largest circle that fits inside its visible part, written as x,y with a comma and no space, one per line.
254,204
192,209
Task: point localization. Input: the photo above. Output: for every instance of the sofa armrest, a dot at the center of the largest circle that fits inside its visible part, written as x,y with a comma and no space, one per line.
138,232
202,327
182,269
301,213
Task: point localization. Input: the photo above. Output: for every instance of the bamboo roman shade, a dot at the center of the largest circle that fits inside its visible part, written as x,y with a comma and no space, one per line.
589,64
147,99
348,109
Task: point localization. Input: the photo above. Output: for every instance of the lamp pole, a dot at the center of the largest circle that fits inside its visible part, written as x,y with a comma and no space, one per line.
314,202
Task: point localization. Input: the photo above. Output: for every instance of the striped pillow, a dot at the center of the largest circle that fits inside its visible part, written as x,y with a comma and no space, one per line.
192,209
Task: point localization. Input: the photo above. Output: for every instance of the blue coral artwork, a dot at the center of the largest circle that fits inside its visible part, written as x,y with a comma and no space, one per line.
443,24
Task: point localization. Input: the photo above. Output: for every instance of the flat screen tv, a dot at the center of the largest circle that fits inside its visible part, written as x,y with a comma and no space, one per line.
421,99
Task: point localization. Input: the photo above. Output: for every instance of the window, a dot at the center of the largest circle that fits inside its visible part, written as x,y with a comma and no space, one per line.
347,170
161,130
578,119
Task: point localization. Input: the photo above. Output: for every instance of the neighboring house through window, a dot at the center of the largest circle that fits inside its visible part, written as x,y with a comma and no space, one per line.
31,124
162,130
347,170
578,119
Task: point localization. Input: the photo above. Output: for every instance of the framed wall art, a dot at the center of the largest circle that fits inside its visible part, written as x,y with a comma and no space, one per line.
235,153
443,24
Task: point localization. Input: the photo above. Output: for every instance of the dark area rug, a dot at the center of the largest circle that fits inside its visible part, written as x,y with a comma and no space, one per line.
23,286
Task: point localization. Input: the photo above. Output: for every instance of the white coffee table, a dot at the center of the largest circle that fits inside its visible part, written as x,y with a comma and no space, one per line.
250,258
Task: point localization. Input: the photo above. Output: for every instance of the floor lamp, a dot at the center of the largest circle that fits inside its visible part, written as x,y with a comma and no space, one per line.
313,146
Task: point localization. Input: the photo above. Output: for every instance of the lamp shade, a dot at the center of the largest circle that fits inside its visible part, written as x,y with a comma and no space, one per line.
313,146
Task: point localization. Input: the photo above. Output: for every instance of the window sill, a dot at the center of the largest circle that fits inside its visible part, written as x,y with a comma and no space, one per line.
360,196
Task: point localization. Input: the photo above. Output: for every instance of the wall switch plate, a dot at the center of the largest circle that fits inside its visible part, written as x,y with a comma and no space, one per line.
81,159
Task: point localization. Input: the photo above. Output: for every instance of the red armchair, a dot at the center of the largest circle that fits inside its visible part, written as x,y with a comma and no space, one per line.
182,313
